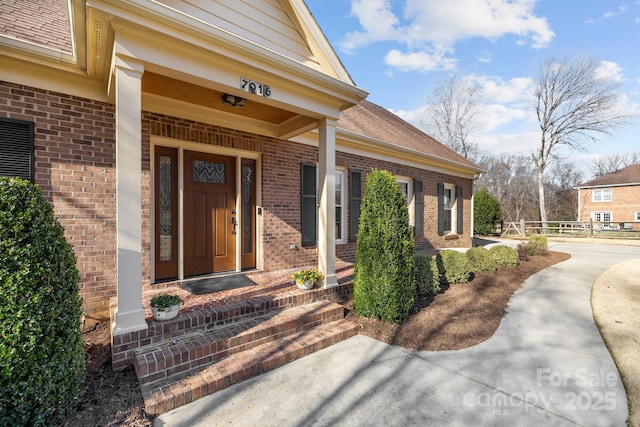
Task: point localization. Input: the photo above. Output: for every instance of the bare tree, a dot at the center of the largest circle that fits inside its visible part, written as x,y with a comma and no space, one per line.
453,115
512,179
573,104
610,163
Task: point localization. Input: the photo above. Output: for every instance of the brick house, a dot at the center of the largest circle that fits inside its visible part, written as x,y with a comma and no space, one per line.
185,138
612,200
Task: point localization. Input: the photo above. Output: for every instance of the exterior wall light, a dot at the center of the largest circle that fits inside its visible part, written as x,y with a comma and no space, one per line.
234,101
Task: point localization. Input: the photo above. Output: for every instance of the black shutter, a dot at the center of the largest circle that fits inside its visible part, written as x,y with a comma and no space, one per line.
309,205
440,208
16,148
355,195
460,202
419,207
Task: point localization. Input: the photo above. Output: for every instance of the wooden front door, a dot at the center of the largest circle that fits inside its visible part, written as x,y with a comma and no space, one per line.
209,213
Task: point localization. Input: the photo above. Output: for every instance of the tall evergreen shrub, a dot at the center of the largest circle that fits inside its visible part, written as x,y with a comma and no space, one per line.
385,280
486,211
41,354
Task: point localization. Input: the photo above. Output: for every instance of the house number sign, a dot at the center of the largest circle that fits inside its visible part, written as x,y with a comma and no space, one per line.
256,88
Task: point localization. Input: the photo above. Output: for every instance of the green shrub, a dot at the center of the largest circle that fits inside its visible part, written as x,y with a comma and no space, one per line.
427,275
505,255
480,260
453,266
385,278
538,244
41,349
486,211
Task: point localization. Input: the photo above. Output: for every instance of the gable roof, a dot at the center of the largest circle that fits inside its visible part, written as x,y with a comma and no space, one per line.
372,121
625,176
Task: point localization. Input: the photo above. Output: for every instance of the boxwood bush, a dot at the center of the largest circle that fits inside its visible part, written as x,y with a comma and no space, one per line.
537,244
385,278
427,275
505,255
480,260
453,266
41,354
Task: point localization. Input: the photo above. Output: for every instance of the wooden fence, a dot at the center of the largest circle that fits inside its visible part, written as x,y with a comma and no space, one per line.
576,228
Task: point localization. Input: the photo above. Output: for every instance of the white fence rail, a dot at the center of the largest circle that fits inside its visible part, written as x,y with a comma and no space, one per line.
579,228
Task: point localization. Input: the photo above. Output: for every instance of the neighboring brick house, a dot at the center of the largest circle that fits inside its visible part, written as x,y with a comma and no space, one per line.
176,141
612,200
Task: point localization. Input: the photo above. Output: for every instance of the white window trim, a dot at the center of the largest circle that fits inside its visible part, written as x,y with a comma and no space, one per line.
343,200
600,196
343,204
637,216
410,200
453,209
602,213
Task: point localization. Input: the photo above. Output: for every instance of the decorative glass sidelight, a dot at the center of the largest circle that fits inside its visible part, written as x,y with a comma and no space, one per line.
208,172
166,173
247,208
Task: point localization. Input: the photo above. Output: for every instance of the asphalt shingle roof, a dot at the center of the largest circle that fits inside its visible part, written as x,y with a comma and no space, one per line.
372,121
628,175
42,22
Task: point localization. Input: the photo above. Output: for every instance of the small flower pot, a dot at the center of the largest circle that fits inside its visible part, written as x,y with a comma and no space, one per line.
167,313
305,284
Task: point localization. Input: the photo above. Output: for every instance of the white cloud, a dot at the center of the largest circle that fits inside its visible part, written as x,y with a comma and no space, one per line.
517,90
610,14
430,29
420,61
485,57
609,71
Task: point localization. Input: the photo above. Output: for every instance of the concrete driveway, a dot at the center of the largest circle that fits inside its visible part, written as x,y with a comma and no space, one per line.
545,365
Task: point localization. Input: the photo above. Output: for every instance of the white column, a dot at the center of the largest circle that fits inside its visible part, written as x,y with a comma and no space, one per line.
327,211
129,315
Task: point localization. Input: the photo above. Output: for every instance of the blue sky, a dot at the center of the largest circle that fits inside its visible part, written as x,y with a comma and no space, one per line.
398,50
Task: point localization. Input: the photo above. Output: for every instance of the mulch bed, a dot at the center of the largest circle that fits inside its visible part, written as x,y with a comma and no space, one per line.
460,316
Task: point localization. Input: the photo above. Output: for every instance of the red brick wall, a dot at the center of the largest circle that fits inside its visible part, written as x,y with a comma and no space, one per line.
625,202
75,166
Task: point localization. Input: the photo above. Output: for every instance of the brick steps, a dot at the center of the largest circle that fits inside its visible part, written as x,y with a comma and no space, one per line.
185,368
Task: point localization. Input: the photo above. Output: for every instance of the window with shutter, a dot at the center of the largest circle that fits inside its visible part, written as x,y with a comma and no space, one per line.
419,206
16,148
355,192
309,205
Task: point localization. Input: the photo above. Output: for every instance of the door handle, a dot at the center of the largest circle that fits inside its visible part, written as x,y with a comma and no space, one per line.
234,222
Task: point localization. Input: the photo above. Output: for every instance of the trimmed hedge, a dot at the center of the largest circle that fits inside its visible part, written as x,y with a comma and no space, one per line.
538,243
480,260
385,277
427,275
505,255
41,349
453,266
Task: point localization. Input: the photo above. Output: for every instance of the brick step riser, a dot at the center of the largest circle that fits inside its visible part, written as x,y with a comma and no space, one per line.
125,346
205,320
241,366
164,364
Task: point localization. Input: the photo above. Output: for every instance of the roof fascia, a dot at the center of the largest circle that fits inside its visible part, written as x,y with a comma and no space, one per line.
629,184
353,143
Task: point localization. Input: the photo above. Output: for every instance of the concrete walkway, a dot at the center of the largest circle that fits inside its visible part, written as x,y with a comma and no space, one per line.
545,365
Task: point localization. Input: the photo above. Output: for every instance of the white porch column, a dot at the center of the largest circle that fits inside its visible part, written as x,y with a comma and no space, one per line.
129,315
327,192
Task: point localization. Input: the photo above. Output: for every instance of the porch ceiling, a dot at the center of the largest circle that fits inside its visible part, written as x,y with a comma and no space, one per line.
210,98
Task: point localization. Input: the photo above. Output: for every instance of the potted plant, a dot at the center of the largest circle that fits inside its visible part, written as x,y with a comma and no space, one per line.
305,279
165,306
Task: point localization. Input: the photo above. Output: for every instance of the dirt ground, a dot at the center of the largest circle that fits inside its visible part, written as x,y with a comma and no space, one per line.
459,316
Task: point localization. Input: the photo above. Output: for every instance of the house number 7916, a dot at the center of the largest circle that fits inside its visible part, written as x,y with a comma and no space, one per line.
256,88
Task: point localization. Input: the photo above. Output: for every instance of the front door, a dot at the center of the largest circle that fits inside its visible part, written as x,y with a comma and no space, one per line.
209,213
